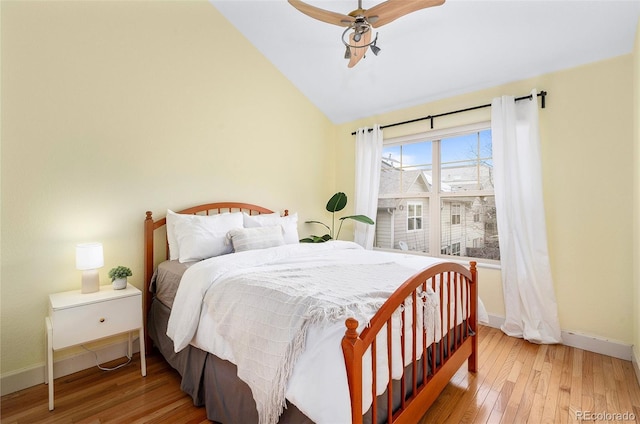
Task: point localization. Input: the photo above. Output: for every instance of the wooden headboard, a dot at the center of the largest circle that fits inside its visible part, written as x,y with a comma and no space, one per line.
150,227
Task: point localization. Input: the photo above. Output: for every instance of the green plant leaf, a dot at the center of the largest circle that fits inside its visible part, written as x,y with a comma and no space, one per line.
318,222
360,218
119,272
316,239
337,202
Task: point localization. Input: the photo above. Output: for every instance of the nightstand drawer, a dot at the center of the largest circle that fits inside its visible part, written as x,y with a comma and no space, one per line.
76,325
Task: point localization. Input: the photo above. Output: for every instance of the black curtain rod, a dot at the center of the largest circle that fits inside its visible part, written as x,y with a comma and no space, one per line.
541,94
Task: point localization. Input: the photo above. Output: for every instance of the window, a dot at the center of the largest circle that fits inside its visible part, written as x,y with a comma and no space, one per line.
452,250
436,194
455,214
414,216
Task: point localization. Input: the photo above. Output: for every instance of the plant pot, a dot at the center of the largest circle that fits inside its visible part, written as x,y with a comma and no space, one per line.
119,283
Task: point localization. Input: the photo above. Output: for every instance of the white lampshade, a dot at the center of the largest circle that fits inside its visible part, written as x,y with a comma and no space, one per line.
89,257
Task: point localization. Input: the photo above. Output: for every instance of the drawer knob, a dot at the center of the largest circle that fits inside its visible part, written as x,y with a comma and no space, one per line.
101,319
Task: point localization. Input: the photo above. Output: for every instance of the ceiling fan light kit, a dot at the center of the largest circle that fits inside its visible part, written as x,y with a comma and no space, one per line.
361,33
360,21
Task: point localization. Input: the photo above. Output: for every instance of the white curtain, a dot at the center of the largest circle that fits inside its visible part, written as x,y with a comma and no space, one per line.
530,303
368,160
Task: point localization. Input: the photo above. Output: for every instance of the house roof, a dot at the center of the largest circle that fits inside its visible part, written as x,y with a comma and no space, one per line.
397,181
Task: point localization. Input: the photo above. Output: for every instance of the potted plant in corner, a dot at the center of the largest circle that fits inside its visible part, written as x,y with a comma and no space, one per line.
119,276
337,203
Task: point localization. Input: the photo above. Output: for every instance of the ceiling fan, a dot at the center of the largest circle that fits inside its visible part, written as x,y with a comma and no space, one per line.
360,21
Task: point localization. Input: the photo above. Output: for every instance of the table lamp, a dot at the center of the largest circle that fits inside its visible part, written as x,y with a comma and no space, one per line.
89,257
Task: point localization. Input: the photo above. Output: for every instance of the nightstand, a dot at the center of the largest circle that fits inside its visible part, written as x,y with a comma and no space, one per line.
76,318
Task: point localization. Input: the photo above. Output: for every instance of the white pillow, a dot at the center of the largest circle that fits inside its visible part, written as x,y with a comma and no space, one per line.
256,238
288,223
172,218
201,237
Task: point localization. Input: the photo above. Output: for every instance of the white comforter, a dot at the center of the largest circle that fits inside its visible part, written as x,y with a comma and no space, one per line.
317,382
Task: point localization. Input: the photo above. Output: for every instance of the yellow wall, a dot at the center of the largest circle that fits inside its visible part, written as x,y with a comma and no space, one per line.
587,133
113,108
110,109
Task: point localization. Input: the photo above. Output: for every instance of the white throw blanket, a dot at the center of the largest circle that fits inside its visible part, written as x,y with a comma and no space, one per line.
318,385
264,316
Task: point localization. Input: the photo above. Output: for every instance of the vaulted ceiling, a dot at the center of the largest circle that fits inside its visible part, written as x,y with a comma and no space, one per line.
461,46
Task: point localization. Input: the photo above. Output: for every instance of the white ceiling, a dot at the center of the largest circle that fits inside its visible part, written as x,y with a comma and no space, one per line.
459,47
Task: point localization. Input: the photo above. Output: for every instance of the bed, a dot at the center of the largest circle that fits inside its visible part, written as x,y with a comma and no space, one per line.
377,340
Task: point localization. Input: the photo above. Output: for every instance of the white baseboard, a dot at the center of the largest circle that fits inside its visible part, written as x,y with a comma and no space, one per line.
594,344
27,377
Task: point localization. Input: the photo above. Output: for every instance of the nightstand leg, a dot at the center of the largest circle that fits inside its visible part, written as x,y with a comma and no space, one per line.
49,377
130,345
46,350
143,355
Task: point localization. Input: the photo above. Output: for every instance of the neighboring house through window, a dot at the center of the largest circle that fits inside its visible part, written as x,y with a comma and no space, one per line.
436,194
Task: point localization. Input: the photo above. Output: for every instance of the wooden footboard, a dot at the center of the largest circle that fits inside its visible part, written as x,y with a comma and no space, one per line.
423,380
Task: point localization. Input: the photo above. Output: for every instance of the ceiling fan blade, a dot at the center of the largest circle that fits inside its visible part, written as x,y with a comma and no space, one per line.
391,10
322,14
357,53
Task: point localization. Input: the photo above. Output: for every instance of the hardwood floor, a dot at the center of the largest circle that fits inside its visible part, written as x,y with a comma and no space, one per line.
517,382
520,382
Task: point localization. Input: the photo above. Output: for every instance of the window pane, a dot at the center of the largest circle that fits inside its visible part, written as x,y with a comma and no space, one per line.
406,169
466,162
485,143
459,148
486,174
416,154
391,155
394,229
468,227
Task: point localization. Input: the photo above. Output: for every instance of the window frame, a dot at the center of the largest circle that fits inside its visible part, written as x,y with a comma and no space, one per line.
436,195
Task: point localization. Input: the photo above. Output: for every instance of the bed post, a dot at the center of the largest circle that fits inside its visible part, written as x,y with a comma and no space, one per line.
148,272
473,318
351,348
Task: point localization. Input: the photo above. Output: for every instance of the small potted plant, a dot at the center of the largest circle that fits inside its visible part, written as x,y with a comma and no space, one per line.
119,276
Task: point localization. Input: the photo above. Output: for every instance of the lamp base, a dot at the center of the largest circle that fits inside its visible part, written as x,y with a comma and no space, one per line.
90,281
